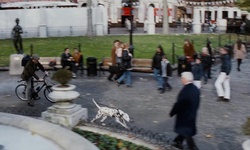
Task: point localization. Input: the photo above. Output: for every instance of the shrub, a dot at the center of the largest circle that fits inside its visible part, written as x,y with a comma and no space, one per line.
62,76
246,127
105,142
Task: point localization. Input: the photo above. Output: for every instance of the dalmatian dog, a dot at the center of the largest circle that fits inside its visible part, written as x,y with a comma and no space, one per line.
120,116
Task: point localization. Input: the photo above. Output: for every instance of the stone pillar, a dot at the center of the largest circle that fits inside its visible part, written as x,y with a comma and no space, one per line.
212,13
230,12
151,23
15,64
219,13
196,20
99,21
64,112
238,12
202,15
141,12
42,24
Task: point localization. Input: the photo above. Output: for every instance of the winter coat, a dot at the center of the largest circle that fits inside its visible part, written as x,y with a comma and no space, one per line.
156,63
126,60
185,110
64,59
167,69
225,63
197,71
206,61
30,69
239,53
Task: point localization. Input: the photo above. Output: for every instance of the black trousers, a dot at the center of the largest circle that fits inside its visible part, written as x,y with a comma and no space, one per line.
239,62
190,142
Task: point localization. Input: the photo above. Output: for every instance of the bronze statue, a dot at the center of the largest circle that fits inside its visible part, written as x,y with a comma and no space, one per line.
17,39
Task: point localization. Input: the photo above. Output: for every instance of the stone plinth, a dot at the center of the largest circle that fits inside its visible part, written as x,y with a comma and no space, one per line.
42,31
64,112
15,64
151,22
196,21
246,145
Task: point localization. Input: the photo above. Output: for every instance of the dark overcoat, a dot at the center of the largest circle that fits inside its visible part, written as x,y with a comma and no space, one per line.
185,110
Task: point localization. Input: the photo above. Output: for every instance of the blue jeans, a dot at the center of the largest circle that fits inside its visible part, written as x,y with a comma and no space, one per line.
126,74
158,77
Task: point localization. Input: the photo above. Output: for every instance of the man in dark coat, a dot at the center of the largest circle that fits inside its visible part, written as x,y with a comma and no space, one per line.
185,110
29,73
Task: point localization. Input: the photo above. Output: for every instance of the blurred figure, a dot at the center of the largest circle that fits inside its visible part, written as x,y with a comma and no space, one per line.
156,66
206,63
185,109
112,69
166,72
126,67
239,53
189,53
223,78
197,73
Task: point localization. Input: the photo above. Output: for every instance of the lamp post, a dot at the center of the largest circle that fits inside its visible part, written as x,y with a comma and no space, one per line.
131,47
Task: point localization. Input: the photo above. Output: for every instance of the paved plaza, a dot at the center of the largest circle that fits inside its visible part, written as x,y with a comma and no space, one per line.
219,123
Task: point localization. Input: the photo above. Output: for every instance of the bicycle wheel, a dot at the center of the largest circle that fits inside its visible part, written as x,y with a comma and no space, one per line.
21,92
46,92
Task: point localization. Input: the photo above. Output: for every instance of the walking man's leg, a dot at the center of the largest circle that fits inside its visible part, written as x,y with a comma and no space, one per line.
218,84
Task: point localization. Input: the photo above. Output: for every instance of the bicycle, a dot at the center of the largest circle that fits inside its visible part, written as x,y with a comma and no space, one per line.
20,90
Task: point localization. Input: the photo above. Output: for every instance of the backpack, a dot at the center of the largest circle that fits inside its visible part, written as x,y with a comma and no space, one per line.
25,59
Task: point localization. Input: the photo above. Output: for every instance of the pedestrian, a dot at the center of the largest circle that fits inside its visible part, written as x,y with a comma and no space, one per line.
118,53
29,73
209,48
113,65
197,71
126,66
206,63
156,66
223,78
166,72
185,109
239,53
189,54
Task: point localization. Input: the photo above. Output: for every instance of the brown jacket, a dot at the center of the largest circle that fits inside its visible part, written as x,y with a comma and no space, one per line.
30,69
113,56
239,53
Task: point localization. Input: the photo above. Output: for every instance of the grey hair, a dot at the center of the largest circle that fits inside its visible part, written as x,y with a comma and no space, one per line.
188,76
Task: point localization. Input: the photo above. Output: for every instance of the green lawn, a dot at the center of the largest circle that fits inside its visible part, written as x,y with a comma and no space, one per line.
99,47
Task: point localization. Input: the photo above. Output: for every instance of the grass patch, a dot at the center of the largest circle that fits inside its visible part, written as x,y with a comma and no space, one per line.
246,127
145,45
105,142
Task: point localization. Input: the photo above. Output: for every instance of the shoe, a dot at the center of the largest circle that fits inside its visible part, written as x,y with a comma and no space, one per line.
129,86
30,104
177,145
73,75
159,89
110,79
37,98
117,83
238,69
220,98
225,100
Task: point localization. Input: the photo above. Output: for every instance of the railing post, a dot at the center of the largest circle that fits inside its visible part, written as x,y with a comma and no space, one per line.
229,38
173,53
31,49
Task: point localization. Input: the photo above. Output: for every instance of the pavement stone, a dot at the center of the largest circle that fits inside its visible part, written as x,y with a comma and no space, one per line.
219,124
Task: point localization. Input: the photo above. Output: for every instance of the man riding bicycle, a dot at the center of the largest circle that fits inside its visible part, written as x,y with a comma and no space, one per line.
27,75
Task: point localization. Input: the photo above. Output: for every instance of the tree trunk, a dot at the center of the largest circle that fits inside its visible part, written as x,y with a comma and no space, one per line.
165,17
90,24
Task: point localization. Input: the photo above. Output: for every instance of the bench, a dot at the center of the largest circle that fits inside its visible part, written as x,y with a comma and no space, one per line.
138,65
46,60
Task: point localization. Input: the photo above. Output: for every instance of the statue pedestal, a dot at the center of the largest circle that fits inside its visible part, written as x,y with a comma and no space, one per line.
64,112
15,64
99,29
197,28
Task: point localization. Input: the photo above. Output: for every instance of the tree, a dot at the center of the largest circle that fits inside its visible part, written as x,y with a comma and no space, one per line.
165,17
243,4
